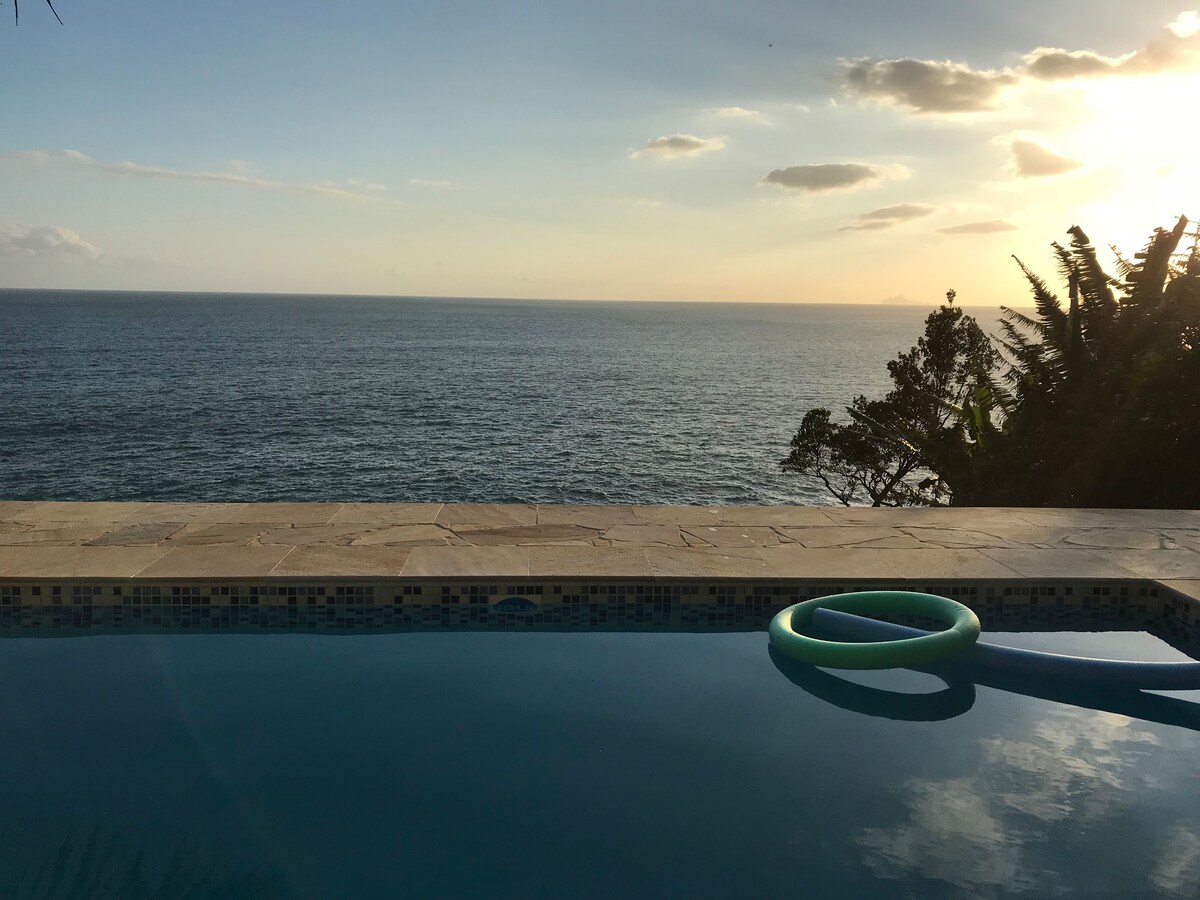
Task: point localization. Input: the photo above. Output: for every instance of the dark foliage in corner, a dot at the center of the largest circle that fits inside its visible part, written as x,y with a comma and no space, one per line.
1095,402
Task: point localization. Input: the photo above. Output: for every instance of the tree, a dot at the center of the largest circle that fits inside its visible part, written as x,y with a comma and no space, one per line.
888,443
1095,403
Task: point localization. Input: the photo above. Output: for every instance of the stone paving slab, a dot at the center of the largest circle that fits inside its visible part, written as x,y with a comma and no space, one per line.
433,540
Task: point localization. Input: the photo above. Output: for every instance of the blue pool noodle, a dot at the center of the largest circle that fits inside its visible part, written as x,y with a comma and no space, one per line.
985,657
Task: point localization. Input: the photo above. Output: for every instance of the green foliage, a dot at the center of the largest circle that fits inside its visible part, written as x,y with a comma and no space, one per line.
1095,402
879,455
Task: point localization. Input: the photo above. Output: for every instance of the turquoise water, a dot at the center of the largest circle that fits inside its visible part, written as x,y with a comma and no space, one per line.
108,396
564,765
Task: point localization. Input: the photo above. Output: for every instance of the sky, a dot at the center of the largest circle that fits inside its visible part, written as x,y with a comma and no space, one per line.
758,150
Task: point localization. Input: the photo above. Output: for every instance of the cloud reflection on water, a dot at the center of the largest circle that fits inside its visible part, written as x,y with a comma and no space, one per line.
1075,769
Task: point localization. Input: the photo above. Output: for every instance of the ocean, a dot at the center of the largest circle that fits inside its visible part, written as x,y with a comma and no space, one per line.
223,397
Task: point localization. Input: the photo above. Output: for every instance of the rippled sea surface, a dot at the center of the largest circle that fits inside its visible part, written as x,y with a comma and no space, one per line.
226,397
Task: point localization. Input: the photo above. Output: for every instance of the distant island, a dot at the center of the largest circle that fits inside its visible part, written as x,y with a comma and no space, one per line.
898,300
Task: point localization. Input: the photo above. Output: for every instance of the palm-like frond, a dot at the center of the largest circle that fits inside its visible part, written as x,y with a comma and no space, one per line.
1124,266
1053,321
1144,285
1098,303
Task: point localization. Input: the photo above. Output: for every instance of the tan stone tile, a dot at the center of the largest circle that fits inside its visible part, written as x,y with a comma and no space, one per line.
1059,563
487,514
683,515
182,512
144,534
1159,564
1187,587
842,535
945,563
645,535
600,516
524,535
77,512
387,513
223,561
312,534
9,508
1022,535
285,513
900,542
405,534
782,516
974,518
588,562
700,562
733,535
467,561
1187,539
50,533
1114,518
342,562
199,534
76,562
828,562
1119,538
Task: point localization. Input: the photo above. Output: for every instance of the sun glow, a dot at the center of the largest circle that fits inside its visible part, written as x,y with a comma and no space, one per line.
1141,152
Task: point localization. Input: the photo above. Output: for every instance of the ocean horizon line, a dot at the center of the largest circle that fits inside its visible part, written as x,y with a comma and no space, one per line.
316,295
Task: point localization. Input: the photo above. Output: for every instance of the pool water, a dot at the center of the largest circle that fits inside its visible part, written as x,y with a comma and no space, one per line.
565,765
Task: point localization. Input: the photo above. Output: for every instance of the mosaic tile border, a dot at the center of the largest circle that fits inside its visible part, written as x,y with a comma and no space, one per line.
345,605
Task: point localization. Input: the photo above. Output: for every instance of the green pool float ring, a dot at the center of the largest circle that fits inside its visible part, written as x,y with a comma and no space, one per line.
961,634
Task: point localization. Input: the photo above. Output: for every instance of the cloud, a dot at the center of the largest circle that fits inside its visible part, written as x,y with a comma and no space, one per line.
47,242
1186,25
973,832
878,219
945,86
434,184
822,177
737,112
678,146
928,86
952,835
991,226
1176,51
1035,161
237,174
1178,866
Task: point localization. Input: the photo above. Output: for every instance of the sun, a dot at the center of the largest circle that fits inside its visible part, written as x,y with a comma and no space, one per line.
1142,147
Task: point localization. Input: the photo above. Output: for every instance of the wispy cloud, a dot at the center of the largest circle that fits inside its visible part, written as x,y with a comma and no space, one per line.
47,242
1032,160
434,184
823,177
237,174
991,226
678,146
889,216
737,112
945,86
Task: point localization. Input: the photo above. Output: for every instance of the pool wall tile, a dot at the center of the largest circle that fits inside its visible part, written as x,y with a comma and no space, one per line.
577,604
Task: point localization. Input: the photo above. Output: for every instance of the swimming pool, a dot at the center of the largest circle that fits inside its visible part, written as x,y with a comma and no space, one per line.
550,764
